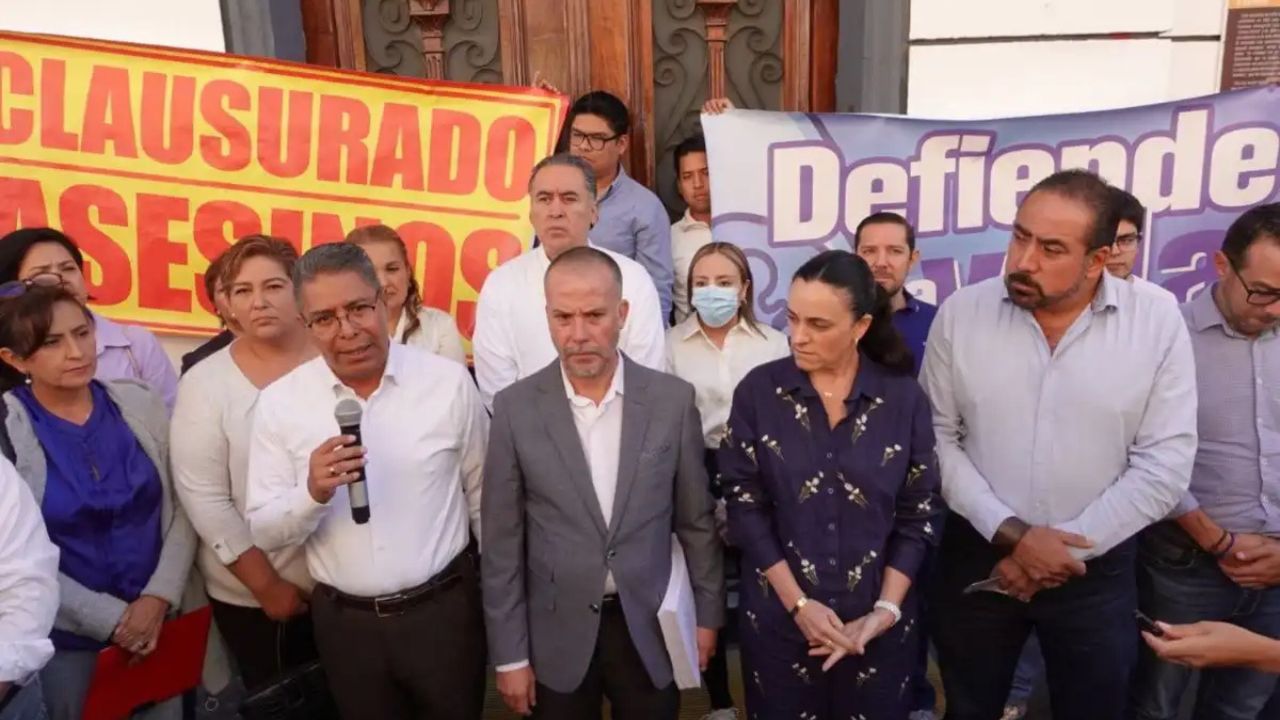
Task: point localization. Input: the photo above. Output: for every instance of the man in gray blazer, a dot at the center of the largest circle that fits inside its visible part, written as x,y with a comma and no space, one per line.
593,462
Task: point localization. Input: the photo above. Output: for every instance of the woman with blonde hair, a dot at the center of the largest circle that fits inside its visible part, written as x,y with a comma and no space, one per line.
713,349
411,323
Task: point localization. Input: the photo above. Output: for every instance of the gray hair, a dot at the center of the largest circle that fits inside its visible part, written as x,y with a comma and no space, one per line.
567,160
333,258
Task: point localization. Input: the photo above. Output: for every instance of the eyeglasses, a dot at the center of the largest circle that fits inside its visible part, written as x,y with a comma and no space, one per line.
590,141
17,288
357,314
1257,298
1128,241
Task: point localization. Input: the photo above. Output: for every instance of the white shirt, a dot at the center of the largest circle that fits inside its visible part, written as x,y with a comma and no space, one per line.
687,238
715,372
1146,286
437,333
1096,437
28,581
600,432
425,431
513,341
209,451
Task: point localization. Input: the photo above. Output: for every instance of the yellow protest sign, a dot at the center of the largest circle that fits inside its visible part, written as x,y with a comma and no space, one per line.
155,160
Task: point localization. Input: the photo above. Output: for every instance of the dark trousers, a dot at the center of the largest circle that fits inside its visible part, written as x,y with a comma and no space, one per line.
263,648
1179,583
425,664
716,676
617,673
922,695
1085,627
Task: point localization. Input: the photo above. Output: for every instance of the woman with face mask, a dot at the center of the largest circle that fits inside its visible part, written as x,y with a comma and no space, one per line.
713,349
96,457
411,322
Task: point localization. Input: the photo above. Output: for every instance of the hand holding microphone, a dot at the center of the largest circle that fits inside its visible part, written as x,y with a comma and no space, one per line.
340,461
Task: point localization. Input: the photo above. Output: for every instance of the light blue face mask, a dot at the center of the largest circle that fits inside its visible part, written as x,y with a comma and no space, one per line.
716,306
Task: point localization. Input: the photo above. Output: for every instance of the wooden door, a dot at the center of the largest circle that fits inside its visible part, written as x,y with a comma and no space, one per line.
662,57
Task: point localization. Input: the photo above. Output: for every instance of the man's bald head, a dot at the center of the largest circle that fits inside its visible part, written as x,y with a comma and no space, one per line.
585,310
581,260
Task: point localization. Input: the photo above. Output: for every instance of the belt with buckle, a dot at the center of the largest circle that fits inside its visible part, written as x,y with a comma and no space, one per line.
401,602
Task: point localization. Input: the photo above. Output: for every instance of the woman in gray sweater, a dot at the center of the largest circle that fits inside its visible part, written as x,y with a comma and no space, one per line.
95,456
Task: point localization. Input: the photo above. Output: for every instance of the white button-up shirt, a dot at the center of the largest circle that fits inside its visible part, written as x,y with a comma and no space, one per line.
1096,437
425,431
715,372
513,341
687,238
28,581
600,431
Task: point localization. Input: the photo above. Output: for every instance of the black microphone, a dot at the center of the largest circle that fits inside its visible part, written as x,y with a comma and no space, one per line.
348,413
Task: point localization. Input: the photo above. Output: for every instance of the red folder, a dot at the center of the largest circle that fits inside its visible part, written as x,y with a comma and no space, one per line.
119,688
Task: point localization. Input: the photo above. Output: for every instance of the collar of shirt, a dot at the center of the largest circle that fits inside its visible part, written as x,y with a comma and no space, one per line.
619,182
691,327
868,383
912,303
397,335
614,391
109,334
389,372
1205,314
1107,296
688,222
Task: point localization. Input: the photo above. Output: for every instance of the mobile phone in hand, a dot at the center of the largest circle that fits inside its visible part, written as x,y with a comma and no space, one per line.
1146,624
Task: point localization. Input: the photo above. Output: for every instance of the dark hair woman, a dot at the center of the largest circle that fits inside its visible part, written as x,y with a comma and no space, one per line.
45,255
832,490
95,456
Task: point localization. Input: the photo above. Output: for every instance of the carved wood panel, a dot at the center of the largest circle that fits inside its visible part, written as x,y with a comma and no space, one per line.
449,39
654,54
473,42
680,86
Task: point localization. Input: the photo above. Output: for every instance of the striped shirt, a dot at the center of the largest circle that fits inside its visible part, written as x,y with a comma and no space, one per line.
1236,477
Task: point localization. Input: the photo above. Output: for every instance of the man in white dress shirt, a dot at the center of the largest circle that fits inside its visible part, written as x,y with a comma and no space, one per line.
396,608
511,339
28,598
593,463
693,229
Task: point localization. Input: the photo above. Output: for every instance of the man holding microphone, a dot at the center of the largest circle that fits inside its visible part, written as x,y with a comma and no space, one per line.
389,554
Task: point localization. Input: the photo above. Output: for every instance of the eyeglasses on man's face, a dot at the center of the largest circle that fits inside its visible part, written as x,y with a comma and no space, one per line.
590,141
1128,241
359,314
1257,298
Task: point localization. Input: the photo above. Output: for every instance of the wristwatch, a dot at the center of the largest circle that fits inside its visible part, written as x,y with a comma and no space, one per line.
795,609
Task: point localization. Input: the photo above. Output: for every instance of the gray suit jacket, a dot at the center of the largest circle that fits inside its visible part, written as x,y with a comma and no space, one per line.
546,548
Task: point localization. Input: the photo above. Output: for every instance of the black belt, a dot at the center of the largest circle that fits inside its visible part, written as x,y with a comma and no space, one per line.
405,600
